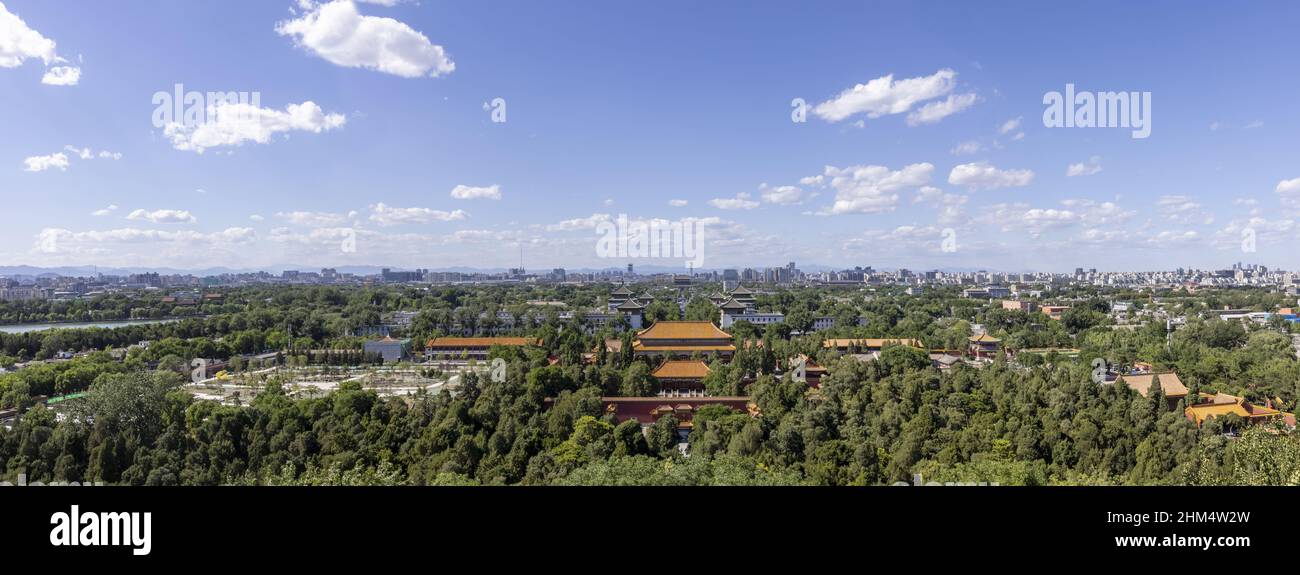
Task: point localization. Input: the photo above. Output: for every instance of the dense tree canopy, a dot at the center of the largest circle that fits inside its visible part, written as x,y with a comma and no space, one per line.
1027,422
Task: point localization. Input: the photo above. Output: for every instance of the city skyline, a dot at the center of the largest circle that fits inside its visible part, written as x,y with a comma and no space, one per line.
475,132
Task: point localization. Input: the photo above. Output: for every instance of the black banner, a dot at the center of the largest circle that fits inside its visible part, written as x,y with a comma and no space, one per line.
312,525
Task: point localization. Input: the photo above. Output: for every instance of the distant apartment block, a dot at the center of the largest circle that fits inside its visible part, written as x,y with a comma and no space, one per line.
22,293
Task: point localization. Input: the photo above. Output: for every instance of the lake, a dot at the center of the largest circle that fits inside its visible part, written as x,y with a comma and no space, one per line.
30,327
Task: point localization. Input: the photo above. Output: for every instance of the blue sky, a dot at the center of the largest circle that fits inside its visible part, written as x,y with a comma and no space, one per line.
667,110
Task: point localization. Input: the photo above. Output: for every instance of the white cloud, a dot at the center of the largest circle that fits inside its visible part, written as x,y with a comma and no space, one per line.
83,153
1182,209
61,160
936,111
928,194
982,175
1170,238
463,192
341,35
1081,169
18,43
905,240
883,96
1289,193
782,195
62,76
950,206
232,124
1094,213
314,219
967,148
678,203
1036,221
89,154
1010,125
1104,236
42,163
162,216
1277,231
871,189
489,236
1288,187
134,243
742,201
386,215
256,217
579,223
105,211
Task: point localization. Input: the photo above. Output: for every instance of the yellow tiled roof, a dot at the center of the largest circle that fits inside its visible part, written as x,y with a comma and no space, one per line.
675,369
1169,383
683,330
1239,407
686,348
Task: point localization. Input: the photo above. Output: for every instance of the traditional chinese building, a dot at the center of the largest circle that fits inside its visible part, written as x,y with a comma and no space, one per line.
471,347
743,295
683,339
868,345
635,312
1214,405
1170,385
681,378
985,346
648,410
618,296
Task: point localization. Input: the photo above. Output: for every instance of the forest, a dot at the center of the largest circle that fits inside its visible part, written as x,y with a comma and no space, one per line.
1033,422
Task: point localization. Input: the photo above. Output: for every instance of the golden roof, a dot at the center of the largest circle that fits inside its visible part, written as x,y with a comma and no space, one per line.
1203,411
682,369
638,346
683,330
1169,384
